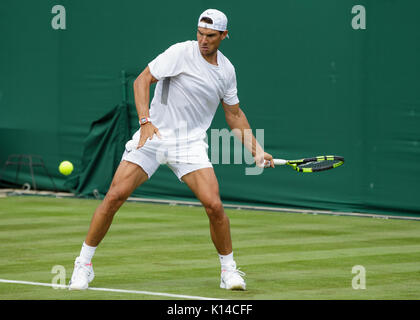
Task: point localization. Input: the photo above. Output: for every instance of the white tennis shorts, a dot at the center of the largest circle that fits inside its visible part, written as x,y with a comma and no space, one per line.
180,156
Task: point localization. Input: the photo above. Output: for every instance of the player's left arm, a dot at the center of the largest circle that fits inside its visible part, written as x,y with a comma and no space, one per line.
239,125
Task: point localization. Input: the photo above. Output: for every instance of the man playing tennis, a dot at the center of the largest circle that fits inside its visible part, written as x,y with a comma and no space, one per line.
192,77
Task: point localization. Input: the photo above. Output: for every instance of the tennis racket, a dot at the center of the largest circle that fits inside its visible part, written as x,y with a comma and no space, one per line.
315,164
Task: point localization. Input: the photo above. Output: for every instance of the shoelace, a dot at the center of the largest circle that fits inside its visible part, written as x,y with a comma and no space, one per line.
240,272
84,267
237,271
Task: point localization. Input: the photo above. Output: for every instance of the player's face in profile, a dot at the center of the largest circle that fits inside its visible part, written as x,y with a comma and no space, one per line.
209,40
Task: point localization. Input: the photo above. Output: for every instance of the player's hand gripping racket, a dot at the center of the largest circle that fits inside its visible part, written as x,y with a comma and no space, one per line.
314,164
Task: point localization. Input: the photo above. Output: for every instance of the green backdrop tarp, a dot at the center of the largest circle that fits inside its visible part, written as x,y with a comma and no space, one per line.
305,76
102,152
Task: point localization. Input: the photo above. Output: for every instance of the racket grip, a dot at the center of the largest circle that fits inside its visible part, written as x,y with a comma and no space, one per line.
279,162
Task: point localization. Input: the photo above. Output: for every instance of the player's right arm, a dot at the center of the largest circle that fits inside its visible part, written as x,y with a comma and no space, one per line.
142,97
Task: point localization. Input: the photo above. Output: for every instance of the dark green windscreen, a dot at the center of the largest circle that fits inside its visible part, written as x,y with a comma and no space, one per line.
312,82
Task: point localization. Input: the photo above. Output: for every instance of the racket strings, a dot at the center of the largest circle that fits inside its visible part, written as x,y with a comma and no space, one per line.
319,165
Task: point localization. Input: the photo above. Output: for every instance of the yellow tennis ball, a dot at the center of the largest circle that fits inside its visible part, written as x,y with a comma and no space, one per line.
65,167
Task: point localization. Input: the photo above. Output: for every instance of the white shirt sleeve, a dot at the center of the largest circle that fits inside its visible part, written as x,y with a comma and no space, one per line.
169,63
231,94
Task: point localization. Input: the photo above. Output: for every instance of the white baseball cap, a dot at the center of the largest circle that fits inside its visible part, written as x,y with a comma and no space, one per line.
219,19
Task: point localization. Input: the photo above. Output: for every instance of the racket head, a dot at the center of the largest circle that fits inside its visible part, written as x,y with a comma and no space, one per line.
316,164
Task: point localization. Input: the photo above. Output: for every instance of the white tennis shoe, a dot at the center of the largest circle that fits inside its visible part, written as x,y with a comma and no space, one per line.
231,278
82,275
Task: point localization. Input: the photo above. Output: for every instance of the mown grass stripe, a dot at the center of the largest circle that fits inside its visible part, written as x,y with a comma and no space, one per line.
58,286
168,248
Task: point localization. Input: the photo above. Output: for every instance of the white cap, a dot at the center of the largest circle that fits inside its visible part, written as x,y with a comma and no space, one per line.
220,20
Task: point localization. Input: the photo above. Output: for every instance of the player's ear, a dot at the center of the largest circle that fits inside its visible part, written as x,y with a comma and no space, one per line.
224,34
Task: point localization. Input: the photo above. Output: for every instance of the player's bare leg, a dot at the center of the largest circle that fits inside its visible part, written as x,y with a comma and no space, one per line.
203,183
126,179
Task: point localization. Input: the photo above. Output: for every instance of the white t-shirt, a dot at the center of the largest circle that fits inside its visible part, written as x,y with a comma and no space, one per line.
189,91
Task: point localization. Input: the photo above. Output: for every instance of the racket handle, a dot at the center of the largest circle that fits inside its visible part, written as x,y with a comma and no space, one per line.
277,162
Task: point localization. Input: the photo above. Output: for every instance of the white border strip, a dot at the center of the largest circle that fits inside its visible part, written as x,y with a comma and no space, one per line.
14,192
60,286
275,209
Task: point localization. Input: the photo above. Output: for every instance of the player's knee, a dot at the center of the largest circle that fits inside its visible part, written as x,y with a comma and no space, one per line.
214,209
114,199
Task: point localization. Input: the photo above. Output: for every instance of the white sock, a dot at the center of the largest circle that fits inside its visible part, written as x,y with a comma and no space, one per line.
87,252
226,260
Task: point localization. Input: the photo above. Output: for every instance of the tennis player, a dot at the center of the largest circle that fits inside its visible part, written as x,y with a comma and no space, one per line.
192,77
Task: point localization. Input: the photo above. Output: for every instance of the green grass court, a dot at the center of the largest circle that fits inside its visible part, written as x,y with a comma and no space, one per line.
167,249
